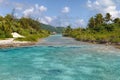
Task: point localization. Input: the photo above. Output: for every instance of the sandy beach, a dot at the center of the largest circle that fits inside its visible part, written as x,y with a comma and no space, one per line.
10,42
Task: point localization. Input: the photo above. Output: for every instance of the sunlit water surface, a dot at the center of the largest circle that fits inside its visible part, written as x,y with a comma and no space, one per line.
60,58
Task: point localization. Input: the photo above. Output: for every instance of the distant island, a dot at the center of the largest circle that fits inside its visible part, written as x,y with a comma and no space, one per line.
103,30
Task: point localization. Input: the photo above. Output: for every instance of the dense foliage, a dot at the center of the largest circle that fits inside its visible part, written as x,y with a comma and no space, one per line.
52,28
27,27
100,29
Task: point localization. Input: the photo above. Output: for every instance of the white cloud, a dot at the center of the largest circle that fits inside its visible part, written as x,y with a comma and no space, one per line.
46,20
59,21
55,21
28,12
89,4
80,23
43,21
42,8
65,24
18,6
66,10
97,3
36,6
17,15
35,10
104,6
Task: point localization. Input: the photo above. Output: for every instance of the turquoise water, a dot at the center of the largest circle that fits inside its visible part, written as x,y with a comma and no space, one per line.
59,58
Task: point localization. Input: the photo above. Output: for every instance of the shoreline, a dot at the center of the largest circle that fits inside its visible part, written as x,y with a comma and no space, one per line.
8,43
16,45
115,45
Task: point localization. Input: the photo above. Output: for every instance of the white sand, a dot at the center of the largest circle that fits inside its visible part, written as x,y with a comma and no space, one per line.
11,40
7,41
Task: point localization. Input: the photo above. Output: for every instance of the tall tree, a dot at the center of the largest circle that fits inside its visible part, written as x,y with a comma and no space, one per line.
91,23
8,17
67,31
13,13
116,20
108,17
99,19
1,18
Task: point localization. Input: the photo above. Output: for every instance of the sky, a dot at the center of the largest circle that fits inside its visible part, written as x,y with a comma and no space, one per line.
60,12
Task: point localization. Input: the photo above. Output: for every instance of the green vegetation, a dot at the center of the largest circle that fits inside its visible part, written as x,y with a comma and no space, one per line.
100,30
27,27
52,28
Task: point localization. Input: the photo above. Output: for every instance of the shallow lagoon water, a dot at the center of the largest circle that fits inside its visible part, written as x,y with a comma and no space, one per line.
60,58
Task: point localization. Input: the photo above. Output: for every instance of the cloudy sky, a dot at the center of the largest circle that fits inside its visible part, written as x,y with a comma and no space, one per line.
60,12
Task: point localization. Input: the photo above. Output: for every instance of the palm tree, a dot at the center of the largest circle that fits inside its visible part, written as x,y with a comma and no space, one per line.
116,20
99,19
67,31
108,17
91,23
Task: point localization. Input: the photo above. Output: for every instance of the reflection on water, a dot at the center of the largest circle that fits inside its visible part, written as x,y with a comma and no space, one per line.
59,40
60,58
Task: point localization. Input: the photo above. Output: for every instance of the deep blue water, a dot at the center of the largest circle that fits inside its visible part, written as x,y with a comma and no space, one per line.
59,58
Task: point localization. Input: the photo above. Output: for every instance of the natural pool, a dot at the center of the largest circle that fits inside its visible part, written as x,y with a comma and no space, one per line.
59,58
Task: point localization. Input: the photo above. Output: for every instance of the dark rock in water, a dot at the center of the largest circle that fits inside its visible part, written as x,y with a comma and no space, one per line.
118,43
55,71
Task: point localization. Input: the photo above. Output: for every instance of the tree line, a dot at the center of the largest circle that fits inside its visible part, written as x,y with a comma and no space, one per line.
27,27
99,30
